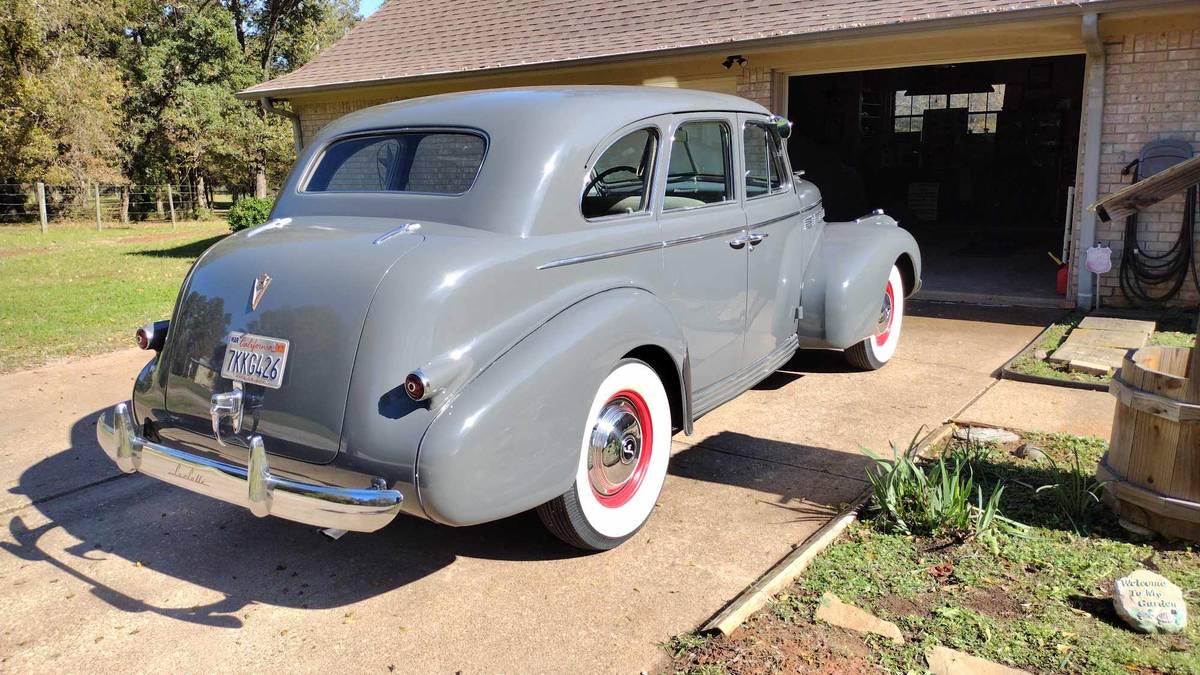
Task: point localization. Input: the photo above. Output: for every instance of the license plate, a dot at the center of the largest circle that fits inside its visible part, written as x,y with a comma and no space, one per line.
255,359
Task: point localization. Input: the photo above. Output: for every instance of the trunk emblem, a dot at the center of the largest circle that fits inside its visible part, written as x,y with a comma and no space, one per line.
259,290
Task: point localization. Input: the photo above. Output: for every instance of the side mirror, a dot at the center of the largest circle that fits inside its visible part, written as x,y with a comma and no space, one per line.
783,125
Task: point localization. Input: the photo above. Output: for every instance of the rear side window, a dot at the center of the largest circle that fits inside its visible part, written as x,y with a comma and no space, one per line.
764,161
431,162
619,181
700,166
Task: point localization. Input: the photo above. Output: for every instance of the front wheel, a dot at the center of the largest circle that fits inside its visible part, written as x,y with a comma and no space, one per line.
622,462
873,352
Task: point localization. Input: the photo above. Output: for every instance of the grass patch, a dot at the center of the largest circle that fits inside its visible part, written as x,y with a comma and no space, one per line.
1029,364
76,291
1037,598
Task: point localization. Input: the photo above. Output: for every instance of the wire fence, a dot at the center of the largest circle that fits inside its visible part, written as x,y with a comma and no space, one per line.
24,203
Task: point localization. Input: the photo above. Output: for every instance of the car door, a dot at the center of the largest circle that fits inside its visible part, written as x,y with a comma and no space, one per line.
776,236
705,251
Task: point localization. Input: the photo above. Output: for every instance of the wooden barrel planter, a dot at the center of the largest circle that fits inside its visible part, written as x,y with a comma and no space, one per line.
1153,460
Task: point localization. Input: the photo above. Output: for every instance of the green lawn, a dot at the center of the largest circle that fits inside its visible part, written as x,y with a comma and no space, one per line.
75,291
1038,599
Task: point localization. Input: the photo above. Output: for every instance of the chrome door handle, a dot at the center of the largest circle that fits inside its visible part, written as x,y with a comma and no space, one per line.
756,238
739,243
226,404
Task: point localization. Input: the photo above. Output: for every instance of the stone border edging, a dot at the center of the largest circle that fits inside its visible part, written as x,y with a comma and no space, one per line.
1007,373
756,595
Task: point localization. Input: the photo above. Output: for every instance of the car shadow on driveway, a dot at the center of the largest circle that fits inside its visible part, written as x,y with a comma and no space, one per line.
86,517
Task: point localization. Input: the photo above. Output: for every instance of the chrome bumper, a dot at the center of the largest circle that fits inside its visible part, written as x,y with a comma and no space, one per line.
358,510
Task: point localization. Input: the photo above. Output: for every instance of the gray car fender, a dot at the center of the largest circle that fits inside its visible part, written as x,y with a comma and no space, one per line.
533,401
844,284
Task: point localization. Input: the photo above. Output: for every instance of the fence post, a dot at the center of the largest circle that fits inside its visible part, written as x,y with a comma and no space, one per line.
171,203
99,223
41,196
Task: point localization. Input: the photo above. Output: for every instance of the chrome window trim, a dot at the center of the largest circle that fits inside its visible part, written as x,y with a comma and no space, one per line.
650,184
306,177
730,182
788,185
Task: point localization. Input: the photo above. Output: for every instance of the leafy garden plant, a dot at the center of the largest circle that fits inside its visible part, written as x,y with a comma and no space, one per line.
1077,493
938,499
249,212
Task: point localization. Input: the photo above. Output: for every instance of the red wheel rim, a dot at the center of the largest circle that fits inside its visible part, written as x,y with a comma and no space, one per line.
626,491
889,306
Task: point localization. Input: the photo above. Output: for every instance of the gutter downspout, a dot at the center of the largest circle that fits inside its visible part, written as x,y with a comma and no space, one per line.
268,105
1085,291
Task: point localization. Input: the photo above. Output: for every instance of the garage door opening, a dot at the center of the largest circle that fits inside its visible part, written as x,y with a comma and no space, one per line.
977,160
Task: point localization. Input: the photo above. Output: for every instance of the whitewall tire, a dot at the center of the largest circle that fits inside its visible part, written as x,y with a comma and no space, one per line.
623,457
873,352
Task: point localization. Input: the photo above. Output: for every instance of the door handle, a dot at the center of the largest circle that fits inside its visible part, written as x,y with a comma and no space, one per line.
739,243
756,238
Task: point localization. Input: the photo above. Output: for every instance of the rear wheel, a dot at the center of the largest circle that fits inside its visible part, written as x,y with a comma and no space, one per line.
622,463
873,352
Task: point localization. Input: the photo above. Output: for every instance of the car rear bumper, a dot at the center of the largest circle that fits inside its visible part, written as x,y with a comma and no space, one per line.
354,509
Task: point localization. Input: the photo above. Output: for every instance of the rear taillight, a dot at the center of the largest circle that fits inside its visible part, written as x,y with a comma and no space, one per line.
152,335
417,386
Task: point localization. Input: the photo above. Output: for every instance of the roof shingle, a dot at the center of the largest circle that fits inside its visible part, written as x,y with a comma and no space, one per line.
421,38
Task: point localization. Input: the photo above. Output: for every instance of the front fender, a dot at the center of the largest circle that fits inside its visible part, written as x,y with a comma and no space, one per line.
844,284
510,439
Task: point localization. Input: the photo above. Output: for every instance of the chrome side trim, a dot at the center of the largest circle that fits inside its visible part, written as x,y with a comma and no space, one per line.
814,205
252,487
724,390
640,248
403,229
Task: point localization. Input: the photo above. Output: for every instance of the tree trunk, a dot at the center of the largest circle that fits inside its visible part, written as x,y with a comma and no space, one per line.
125,204
158,205
201,193
260,181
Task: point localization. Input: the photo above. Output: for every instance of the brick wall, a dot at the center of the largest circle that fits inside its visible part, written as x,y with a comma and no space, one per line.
754,83
1152,91
314,116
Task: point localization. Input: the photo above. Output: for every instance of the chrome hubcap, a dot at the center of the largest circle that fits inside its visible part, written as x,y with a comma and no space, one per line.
615,447
885,315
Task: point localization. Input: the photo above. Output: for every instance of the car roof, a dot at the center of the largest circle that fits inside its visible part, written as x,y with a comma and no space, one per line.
493,109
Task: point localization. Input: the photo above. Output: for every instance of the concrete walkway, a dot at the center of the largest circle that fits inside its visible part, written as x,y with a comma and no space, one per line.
101,571
1043,407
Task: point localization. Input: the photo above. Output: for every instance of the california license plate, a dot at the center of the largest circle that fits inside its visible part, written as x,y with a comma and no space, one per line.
255,359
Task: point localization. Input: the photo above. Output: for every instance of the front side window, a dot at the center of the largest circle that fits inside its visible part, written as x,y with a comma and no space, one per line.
619,181
764,160
432,162
699,169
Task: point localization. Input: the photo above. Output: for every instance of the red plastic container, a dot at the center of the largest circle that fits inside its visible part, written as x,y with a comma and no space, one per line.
1060,283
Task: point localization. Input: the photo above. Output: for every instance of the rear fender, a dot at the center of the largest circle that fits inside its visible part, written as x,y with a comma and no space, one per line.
844,284
510,440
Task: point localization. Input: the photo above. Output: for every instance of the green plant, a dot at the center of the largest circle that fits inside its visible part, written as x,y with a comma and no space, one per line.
943,501
249,212
1077,494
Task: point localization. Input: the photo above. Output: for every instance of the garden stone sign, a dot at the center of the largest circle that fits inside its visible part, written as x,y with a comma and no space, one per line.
1149,603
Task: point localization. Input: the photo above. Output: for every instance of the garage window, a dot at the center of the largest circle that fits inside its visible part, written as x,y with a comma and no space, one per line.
981,108
434,162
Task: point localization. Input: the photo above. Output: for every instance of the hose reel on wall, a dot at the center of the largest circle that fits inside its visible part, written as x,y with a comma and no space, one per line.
1142,271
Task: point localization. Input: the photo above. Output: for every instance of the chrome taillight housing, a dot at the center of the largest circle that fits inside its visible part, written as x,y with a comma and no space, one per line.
417,386
152,335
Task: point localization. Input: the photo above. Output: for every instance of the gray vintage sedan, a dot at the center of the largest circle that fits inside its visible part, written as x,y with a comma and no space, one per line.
472,305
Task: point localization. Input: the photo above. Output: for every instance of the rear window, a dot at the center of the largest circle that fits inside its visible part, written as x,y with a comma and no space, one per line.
430,162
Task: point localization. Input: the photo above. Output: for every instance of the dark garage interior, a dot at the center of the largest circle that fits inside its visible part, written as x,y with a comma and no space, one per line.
977,160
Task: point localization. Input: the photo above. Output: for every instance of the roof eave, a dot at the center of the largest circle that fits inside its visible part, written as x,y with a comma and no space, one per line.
1072,9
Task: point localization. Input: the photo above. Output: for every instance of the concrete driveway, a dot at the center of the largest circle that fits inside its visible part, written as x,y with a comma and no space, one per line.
101,571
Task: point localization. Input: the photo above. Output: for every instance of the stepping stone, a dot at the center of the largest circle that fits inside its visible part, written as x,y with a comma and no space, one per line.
833,611
946,661
1110,357
1104,323
1122,339
986,435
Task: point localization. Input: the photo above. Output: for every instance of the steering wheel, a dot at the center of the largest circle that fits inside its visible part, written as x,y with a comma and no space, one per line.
607,172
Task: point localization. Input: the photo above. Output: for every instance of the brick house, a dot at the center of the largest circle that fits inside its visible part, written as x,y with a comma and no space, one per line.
985,126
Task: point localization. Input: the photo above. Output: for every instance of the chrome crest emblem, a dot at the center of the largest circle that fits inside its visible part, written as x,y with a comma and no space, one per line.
260,289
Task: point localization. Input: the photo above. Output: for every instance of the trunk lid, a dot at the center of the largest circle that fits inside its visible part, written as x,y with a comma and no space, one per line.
323,276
